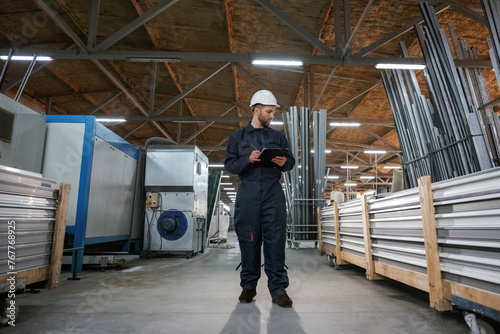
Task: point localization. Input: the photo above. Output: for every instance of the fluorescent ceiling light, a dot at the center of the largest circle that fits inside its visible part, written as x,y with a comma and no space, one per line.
225,176
326,151
276,123
231,193
392,167
375,152
332,177
216,166
350,184
111,120
21,58
226,183
367,177
344,124
349,167
400,66
277,62
229,188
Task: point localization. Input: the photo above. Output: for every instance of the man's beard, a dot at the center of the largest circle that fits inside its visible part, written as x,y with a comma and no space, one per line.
264,122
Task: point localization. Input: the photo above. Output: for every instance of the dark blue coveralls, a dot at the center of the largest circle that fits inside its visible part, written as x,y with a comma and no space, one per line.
260,212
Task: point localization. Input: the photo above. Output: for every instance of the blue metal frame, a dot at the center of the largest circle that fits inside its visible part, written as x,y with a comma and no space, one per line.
101,240
92,129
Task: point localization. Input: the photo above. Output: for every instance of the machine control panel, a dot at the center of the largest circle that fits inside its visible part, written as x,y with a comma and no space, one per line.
152,200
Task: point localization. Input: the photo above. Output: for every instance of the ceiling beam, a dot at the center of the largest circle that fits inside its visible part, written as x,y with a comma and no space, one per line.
71,94
94,20
131,97
104,103
297,28
347,46
154,35
206,127
152,88
352,98
150,14
346,50
469,14
220,119
396,33
373,134
61,24
166,56
134,130
261,85
191,88
66,29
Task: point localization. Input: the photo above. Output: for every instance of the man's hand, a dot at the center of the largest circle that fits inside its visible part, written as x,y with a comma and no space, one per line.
254,156
280,161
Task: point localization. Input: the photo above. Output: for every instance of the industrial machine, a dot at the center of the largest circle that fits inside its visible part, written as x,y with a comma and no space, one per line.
22,136
101,168
176,182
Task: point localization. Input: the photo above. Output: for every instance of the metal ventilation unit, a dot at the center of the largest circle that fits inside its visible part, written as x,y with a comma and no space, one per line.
176,182
22,136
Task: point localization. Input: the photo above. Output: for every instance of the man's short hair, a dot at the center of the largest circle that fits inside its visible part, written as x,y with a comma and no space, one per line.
256,105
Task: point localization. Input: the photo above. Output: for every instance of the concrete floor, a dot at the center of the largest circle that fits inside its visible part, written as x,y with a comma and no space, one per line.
200,295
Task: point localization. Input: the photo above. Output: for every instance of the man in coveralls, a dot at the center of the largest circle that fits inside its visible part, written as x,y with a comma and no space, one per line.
260,212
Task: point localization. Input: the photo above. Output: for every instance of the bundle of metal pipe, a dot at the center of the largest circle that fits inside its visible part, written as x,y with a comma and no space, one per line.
491,9
304,185
447,136
477,95
461,124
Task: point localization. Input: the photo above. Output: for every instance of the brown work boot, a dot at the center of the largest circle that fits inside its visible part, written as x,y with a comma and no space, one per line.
247,295
282,300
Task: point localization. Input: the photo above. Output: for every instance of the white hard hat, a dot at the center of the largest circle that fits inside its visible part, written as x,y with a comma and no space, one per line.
264,97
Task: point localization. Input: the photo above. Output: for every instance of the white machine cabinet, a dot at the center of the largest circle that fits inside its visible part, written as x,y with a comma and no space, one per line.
178,176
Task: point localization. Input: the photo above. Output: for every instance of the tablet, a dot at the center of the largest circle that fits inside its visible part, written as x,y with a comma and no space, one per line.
269,153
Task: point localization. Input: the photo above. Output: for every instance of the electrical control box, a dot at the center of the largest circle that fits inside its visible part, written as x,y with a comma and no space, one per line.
152,200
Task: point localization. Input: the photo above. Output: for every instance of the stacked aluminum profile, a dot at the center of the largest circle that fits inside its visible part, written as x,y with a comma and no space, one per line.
467,213
468,229
397,232
30,201
351,228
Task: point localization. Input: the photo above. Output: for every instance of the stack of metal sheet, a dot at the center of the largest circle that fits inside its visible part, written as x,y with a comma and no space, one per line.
28,204
304,185
491,9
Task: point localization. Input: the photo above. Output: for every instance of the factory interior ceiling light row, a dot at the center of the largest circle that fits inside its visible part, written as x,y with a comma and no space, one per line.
182,69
